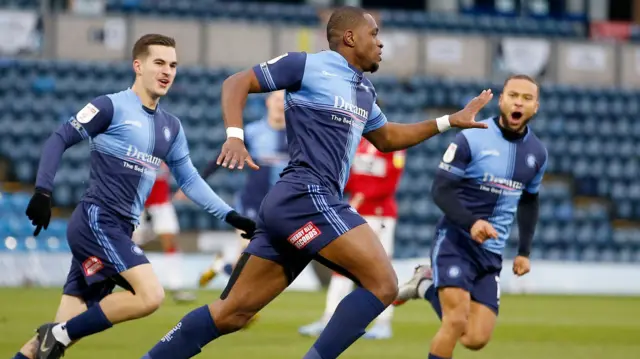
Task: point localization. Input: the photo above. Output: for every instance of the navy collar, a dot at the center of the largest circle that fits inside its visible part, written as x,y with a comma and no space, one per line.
145,108
511,135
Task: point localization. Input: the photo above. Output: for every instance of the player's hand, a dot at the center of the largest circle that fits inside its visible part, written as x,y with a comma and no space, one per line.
466,118
483,230
39,210
521,266
234,153
238,221
180,196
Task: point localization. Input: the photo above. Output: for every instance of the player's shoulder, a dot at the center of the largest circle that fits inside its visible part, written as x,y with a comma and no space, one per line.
536,146
477,134
168,118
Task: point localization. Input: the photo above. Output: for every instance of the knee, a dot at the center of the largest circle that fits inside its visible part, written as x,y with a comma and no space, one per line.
386,289
474,341
456,321
229,318
151,300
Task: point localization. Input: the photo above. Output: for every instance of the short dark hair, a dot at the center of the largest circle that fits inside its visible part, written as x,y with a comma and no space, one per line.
341,19
141,47
522,77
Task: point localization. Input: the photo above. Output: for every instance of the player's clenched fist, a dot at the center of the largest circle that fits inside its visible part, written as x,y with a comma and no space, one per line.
521,266
234,153
245,224
483,230
466,118
39,210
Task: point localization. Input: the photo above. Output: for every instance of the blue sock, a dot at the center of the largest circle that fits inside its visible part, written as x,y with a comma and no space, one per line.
228,268
19,356
432,356
431,295
90,322
187,338
347,324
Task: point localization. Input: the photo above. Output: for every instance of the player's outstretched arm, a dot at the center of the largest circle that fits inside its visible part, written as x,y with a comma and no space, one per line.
197,189
397,136
93,119
281,73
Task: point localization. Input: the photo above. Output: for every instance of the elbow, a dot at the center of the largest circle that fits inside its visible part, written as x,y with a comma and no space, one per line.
237,81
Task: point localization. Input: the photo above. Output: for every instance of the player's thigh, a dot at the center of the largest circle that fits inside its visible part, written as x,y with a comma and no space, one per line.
480,325
143,282
359,254
456,305
486,299
254,283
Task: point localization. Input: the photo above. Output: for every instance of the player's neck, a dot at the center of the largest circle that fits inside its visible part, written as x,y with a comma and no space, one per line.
145,98
508,133
350,57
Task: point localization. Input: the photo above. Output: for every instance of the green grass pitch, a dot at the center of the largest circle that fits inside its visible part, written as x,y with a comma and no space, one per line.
529,327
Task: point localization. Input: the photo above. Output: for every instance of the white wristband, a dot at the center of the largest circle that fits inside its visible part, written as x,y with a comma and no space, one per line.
443,123
235,132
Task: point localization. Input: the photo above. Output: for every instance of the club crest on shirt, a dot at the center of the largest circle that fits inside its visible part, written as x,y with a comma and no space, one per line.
450,153
531,161
167,133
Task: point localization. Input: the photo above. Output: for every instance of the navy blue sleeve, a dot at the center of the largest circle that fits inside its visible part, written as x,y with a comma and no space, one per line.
445,185
445,196
284,72
456,158
191,183
528,212
93,119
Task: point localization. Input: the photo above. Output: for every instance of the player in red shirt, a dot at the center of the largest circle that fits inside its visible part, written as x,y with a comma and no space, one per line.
159,219
372,185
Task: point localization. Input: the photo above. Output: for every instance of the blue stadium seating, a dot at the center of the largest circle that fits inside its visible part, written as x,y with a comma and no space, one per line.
590,133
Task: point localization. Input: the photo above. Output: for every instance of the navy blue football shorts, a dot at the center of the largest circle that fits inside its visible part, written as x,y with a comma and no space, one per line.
457,261
102,248
296,221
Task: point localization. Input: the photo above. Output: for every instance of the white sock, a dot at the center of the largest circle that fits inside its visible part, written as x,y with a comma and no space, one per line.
339,287
174,270
423,286
61,335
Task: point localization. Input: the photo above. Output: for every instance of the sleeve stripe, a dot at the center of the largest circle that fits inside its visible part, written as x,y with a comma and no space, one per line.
450,169
78,127
267,76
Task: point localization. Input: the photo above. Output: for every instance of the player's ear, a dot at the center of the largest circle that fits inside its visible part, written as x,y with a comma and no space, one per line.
349,39
137,66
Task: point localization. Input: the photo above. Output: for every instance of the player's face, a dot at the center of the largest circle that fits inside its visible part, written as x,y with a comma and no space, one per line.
158,69
367,45
275,109
518,103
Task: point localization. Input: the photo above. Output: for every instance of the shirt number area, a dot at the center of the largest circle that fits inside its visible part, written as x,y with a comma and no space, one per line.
369,165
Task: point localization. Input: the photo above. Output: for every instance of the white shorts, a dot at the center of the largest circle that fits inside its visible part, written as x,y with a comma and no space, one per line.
164,220
385,228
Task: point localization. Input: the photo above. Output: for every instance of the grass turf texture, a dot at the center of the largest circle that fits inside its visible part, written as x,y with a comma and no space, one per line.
529,327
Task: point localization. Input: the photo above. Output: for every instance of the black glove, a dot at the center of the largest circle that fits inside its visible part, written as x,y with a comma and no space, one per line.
39,210
242,223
